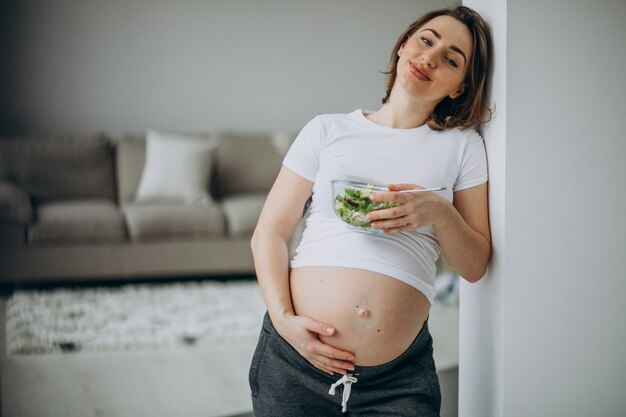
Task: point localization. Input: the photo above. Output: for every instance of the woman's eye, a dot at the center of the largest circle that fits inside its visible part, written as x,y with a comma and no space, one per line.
452,62
425,41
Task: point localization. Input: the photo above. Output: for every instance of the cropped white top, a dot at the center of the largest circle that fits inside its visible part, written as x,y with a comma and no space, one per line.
351,147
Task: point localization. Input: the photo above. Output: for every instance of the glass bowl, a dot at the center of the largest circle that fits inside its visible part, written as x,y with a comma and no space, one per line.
351,203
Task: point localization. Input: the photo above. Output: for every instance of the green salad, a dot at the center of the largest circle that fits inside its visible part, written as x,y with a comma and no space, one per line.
354,205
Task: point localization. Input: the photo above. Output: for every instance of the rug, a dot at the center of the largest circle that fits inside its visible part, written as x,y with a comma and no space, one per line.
134,317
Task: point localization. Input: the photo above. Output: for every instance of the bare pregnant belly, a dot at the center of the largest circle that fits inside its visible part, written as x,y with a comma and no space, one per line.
376,317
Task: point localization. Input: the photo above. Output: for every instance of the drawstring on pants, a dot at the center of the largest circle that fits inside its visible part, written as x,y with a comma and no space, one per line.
347,381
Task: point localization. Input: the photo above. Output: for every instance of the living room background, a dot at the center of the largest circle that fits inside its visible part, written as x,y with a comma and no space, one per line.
125,66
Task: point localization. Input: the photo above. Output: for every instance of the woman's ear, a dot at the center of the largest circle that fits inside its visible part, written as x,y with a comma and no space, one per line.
457,92
401,48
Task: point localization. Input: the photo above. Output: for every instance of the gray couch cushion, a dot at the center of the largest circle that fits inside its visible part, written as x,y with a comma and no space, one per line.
155,220
76,221
11,234
248,162
130,158
60,167
242,212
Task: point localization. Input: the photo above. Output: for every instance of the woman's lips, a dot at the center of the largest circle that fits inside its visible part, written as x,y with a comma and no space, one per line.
418,73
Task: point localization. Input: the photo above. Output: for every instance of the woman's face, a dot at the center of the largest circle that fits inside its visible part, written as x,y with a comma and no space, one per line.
433,61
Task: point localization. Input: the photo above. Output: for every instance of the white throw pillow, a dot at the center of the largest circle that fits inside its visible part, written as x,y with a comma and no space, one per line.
177,168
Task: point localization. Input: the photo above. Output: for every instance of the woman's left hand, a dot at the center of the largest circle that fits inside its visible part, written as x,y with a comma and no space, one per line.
414,210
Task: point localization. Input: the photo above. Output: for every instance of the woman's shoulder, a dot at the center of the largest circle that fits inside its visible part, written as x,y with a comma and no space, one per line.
330,121
326,125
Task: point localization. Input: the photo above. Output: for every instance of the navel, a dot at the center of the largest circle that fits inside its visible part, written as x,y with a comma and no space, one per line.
363,312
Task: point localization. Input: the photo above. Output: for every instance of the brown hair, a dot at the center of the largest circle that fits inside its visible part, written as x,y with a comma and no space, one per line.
471,107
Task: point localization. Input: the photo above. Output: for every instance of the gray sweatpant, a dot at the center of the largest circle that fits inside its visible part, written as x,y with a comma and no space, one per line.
284,384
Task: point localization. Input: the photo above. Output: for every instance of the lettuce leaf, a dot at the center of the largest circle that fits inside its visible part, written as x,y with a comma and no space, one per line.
354,205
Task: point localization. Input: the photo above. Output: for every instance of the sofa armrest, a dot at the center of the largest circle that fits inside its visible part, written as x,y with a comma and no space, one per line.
15,203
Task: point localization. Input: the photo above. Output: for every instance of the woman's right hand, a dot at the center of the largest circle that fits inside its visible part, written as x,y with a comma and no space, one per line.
302,333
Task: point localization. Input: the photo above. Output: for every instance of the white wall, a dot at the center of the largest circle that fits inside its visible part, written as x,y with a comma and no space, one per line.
545,330
481,304
197,65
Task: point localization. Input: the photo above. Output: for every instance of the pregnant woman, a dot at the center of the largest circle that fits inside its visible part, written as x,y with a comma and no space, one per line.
346,329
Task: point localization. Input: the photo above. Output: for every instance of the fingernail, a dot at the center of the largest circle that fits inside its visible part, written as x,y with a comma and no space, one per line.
329,330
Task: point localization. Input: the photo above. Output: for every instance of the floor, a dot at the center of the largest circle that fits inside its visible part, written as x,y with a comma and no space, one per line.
173,383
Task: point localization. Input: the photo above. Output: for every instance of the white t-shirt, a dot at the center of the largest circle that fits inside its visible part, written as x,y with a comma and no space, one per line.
352,147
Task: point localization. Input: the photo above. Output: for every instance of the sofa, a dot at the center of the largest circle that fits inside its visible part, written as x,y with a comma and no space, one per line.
157,204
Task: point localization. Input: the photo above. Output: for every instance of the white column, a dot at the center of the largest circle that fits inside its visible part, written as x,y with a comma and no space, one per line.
543,334
481,306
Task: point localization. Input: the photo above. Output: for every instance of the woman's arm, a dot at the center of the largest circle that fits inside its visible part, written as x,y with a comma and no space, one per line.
464,233
280,215
462,227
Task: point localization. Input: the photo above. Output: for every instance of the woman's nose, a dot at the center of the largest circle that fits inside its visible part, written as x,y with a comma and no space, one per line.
428,58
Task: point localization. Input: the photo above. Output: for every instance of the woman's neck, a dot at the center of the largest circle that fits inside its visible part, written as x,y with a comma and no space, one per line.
400,113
